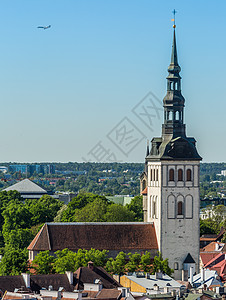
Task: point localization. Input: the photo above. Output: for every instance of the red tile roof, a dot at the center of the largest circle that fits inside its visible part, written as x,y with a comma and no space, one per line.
108,294
145,191
206,257
109,236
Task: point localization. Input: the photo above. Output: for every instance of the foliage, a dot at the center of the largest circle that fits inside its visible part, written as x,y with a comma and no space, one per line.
134,262
119,213
14,262
117,265
77,203
19,238
207,227
44,209
16,216
136,205
43,263
161,265
145,262
92,212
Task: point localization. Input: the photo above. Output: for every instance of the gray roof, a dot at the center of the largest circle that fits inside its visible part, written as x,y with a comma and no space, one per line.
210,278
165,281
26,186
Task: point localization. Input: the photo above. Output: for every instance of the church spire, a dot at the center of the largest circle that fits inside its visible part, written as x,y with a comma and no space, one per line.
174,101
174,66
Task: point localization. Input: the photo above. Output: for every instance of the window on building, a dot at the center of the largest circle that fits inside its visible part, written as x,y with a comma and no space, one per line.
143,184
188,174
171,175
154,175
180,208
180,175
157,175
151,175
177,116
176,266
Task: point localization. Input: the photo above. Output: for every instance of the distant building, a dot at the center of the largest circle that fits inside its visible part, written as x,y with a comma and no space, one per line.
3,169
27,189
33,168
120,199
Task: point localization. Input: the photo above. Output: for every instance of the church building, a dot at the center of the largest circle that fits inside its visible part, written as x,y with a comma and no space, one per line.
170,182
170,189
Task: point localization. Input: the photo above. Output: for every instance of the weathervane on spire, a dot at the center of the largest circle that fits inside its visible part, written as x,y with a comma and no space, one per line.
174,18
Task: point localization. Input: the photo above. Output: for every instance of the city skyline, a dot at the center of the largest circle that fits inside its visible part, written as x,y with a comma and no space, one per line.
75,87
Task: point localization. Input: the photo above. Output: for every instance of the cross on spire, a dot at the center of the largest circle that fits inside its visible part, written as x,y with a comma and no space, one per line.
174,18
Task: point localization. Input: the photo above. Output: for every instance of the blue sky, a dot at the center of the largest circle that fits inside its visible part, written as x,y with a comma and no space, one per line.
66,91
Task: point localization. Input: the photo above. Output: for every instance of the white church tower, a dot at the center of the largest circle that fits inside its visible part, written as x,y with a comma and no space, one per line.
170,183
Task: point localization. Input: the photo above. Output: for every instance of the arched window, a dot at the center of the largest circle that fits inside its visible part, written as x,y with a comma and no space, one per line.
157,175
151,175
180,208
180,175
154,174
177,116
171,175
143,184
188,175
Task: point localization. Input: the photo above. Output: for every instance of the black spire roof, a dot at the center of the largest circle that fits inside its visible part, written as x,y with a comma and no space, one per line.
174,144
189,259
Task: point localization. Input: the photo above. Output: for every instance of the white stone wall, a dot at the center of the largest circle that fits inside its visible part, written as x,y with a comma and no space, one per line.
177,234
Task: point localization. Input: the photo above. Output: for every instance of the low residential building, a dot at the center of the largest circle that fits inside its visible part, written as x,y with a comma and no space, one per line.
206,279
150,284
80,280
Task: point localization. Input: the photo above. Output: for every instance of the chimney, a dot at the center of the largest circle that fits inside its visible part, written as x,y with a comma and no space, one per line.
27,279
156,287
70,276
202,275
90,265
158,275
216,247
191,275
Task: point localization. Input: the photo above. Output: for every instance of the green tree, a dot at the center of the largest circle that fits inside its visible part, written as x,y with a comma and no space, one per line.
92,212
117,265
43,263
59,213
161,265
134,262
19,238
136,206
145,262
14,262
16,216
79,202
65,261
119,213
207,226
44,209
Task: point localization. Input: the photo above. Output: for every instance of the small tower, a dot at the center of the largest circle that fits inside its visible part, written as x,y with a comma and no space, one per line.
172,172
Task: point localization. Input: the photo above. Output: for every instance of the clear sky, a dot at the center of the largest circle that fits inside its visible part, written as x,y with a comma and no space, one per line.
76,91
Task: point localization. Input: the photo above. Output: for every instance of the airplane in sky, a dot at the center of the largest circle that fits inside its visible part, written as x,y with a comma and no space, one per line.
44,27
